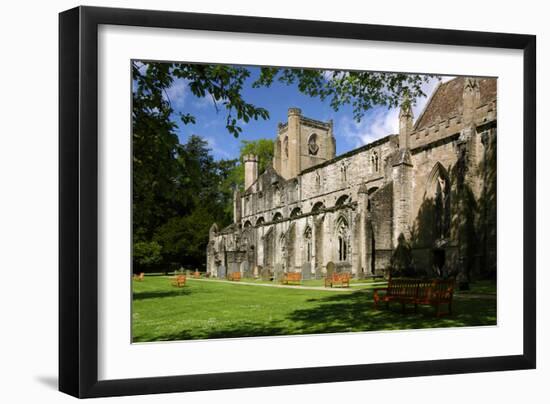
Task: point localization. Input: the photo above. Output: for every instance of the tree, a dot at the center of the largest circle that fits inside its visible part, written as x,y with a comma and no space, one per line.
262,148
146,255
361,90
180,188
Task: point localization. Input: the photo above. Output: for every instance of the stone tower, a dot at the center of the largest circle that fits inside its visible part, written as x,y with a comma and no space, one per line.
302,143
250,170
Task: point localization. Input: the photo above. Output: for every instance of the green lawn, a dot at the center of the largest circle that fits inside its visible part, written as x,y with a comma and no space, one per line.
209,309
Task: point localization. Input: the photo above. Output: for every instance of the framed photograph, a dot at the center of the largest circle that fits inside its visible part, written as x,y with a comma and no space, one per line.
251,201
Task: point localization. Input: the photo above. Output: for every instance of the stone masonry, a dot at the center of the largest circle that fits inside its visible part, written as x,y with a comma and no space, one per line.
311,207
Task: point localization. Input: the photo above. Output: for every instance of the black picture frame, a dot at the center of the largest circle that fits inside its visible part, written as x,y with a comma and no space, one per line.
78,201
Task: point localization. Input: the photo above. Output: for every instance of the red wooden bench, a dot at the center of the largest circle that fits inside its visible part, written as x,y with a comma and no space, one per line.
341,278
139,277
234,276
179,281
291,277
413,291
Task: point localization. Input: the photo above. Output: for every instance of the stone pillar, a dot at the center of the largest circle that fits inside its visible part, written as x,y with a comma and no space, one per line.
402,176
293,162
470,100
250,170
331,146
236,207
405,124
363,198
277,153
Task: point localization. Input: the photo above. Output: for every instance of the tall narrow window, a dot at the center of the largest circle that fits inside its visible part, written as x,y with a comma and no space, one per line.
343,239
374,162
307,237
343,173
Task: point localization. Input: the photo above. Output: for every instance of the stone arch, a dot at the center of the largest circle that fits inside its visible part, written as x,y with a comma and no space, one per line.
295,212
372,190
260,221
342,200
317,207
437,173
312,145
213,232
247,224
438,191
277,216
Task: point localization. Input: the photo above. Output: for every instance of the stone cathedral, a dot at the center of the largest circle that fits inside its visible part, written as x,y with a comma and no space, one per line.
431,188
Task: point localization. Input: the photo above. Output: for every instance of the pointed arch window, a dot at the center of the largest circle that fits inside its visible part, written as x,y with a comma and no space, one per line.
343,239
343,173
374,162
312,145
307,237
439,188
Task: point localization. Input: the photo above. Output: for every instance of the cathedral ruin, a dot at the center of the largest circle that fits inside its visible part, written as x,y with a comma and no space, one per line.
430,189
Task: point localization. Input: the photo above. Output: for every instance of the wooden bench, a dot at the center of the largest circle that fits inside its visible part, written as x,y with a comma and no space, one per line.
414,291
196,275
234,276
291,277
338,278
139,277
179,281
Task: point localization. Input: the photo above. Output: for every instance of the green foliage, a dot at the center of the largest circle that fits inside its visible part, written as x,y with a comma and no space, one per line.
361,90
263,149
184,238
179,189
146,255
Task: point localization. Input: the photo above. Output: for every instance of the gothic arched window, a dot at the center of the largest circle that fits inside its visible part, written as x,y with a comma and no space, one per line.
343,239
374,162
307,238
312,145
343,173
439,189
317,180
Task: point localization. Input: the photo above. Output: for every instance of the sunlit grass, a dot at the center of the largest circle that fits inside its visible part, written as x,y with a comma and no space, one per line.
206,309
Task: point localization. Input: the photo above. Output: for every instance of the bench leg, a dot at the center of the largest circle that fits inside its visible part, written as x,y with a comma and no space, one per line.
416,307
437,312
450,308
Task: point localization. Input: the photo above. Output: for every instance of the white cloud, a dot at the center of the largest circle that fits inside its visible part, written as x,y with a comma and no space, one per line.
375,125
177,93
216,148
203,102
381,122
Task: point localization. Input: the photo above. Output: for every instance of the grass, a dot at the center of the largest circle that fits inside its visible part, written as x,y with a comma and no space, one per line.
206,309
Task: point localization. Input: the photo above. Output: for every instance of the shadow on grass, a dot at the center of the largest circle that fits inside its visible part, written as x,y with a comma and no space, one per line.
156,294
349,312
356,312
237,331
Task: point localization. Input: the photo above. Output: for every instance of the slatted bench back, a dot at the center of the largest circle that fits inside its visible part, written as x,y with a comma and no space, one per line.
402,288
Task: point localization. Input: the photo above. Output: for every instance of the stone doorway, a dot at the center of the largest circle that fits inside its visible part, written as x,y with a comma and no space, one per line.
439,260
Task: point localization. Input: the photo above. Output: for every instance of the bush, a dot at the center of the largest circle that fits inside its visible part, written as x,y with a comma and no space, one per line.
146,255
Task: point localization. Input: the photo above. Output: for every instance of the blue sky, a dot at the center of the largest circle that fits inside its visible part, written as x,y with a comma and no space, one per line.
210,125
